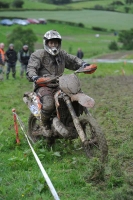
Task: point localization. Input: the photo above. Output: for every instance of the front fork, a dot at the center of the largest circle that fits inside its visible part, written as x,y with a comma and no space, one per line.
75,119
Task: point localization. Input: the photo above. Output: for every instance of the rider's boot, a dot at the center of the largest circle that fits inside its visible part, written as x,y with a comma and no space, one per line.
45,125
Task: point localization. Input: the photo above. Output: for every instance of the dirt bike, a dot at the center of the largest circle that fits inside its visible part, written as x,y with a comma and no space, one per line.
71,118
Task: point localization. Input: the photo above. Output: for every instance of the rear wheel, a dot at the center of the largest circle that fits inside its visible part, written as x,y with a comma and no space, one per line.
96,144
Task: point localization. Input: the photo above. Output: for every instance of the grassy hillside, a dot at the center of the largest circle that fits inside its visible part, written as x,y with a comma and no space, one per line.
71,173
33,4
104,19
73,38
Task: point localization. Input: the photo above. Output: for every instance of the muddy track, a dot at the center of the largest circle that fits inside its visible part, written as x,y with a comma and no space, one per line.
114,111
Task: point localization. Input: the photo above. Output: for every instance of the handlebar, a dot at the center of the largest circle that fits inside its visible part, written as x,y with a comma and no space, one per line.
87,70
43,81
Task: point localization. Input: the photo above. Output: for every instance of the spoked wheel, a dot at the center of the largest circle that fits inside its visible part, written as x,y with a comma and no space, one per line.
33,128
96,144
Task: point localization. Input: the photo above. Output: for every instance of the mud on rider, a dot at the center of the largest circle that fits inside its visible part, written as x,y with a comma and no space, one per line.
51,60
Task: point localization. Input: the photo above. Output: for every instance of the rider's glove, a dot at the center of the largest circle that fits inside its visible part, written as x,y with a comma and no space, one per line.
87,68
35,78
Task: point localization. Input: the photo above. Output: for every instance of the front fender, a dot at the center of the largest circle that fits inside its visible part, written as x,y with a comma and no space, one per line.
83,99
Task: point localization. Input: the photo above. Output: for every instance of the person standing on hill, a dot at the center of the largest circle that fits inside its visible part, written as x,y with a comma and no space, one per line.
23,57
2,60
11,59
80,53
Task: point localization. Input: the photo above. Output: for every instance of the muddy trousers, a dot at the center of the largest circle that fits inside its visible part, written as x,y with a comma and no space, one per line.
11,67
46,96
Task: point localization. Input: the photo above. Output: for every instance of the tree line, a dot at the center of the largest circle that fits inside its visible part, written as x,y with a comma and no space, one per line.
19,3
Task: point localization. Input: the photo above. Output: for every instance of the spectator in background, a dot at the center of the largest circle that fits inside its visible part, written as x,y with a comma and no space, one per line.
11,59
115,33
80,53
23,57
2,60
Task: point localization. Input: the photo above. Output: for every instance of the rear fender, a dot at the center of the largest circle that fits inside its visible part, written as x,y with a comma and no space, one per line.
83,99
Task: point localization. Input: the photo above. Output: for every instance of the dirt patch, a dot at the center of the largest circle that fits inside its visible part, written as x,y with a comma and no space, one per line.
116,55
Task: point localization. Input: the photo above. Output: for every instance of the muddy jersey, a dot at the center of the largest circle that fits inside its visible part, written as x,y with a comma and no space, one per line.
42,63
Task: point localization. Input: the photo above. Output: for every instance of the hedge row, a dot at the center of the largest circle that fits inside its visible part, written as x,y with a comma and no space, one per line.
65,22
41,9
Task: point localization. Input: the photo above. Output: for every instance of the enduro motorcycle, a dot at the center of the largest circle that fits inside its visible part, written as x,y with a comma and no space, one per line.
71,118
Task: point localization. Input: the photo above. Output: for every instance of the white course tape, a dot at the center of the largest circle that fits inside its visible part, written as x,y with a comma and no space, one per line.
51,187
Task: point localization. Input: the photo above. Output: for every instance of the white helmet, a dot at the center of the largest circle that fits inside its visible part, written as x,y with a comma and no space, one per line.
52,34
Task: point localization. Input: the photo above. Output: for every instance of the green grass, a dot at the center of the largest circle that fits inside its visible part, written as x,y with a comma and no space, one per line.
71,171
112,69
89,4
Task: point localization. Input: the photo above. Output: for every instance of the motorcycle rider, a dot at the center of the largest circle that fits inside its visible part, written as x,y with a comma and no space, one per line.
51,60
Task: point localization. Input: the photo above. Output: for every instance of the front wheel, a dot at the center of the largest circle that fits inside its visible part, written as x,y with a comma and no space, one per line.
33,128
96,144
35,131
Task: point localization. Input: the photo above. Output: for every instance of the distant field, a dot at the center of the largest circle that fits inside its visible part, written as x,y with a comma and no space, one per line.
104,19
